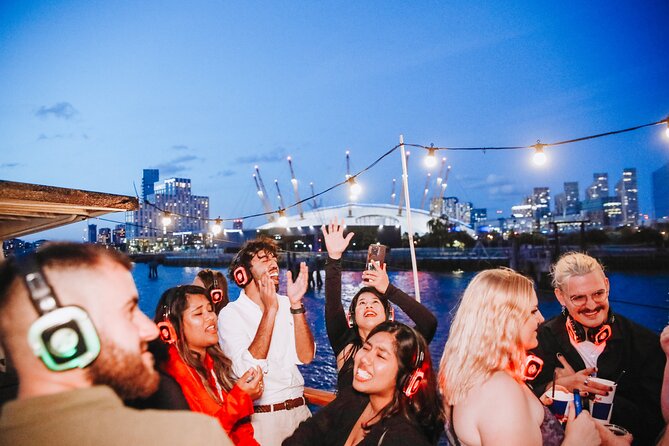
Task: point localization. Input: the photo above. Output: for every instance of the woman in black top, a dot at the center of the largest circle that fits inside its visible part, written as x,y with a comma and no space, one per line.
369,307
393,399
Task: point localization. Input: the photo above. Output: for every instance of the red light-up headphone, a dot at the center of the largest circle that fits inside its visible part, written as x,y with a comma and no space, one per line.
412,381
531,367
216,293
167,333
239,272
598,335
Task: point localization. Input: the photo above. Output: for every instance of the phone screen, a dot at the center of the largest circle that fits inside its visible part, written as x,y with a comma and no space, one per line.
376,255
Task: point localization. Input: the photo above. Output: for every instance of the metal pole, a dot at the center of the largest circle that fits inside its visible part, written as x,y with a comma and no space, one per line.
412,249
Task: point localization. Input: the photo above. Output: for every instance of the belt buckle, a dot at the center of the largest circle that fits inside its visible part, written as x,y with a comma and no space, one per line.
289,404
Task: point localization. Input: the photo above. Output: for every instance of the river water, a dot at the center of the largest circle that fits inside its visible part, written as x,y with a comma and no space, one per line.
643,297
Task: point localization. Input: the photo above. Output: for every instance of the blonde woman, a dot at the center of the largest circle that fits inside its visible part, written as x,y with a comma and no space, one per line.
482,377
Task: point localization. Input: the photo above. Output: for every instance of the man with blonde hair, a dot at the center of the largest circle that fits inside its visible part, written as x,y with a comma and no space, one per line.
70,323
589,340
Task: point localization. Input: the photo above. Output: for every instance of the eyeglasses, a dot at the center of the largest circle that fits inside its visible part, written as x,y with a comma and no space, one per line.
597,297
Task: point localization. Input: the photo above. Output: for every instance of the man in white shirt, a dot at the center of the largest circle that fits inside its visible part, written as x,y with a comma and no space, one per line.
266,329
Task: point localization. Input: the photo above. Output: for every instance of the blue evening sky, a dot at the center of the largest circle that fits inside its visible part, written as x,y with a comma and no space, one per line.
92,92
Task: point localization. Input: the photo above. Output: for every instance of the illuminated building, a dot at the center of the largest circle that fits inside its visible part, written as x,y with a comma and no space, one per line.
661,192
628,192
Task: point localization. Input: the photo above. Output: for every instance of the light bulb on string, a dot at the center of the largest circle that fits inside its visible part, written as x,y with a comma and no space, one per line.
539,157
356,189
283,220
216,227
167,219
666,131
431,158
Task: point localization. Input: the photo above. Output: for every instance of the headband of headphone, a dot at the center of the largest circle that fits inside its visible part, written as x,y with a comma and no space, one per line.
598,335
411,382
387,307
63,338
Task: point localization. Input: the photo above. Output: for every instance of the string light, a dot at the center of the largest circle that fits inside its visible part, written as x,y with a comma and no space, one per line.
167,218
539,157
387,153
283,220
356,189
216,228
666,131
431,158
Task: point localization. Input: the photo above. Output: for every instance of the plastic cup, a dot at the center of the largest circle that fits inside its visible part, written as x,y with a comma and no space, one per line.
601,406
560,404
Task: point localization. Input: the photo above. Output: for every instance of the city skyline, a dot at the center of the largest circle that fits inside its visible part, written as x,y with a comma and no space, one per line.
92,95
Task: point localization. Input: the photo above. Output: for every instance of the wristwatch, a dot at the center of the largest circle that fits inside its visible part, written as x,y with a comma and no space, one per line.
297,310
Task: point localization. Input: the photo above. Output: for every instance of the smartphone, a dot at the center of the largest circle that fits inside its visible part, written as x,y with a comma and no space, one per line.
250,378
578,405
376,255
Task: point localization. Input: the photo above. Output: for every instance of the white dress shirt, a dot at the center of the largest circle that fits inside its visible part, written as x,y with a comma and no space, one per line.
237,326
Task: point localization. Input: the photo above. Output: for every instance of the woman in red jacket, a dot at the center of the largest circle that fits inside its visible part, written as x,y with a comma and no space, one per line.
187,322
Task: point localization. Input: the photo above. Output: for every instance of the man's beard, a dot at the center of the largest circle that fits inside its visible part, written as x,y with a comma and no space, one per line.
124,372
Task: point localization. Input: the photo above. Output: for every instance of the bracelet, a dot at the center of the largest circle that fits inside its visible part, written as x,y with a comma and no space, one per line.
300,310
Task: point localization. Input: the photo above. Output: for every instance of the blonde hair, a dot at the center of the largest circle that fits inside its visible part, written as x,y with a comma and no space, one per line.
485,334
573,264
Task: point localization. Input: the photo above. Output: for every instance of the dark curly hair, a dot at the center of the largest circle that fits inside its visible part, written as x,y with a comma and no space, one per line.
248,250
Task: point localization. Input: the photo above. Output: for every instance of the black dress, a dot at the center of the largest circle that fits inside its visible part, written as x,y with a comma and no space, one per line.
332,425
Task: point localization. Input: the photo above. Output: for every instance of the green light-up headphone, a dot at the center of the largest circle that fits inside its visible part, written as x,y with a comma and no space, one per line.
62,337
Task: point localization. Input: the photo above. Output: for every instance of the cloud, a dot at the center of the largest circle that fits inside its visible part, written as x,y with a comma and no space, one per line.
9,165
176,165
63,110
274,157
45,137
180,147
492,181
223,173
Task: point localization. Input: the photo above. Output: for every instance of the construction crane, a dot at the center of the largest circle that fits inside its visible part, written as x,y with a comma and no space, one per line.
279,196
313,193
393,195
297,195
262,193
440,179
426,190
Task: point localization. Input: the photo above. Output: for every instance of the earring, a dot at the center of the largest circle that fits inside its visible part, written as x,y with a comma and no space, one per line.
564,311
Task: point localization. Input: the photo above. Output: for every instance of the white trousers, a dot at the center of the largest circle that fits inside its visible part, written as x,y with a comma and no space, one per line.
271,428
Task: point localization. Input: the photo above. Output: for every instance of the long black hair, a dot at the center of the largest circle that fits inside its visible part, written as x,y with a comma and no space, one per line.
423,408
355,341
171,306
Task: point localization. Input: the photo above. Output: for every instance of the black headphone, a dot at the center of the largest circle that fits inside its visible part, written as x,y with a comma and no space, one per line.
239,272
411,382
215,292
350,314
63,338
598,335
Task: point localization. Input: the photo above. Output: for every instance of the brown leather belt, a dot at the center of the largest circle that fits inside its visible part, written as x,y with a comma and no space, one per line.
286,405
